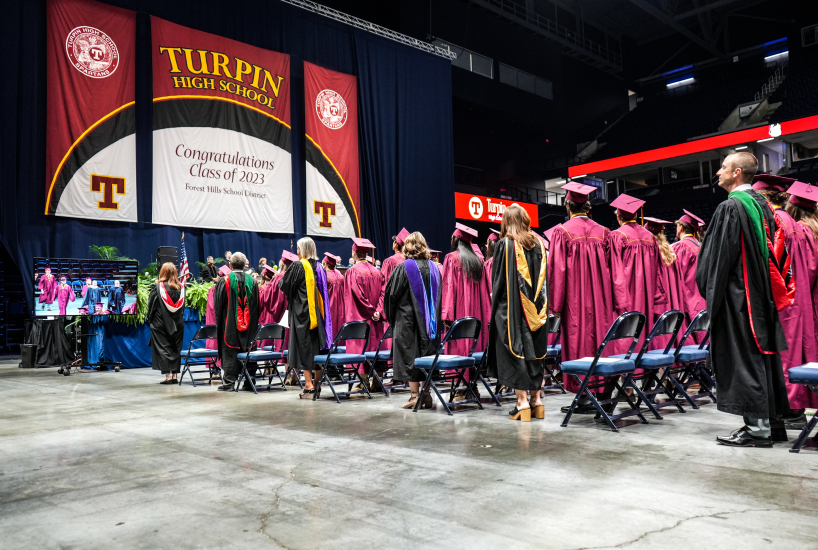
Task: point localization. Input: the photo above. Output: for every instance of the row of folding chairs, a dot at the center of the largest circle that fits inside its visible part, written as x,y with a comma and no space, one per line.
671,371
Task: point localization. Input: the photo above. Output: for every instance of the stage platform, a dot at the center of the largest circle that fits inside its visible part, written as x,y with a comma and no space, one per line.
115,460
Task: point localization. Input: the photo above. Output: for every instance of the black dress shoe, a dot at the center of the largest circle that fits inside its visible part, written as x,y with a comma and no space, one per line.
795,422
742,438
225,387
581,409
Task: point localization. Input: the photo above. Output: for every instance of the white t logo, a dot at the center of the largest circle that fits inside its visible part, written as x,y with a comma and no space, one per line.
475,208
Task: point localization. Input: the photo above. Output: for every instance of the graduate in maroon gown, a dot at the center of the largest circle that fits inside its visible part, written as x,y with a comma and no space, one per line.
435,257
633,255
65,294
802,207
335,290
797,318
272,301
86,286
397,258
48,286
670,280
389,265
579,283
465,291
686,249
489,263
363,284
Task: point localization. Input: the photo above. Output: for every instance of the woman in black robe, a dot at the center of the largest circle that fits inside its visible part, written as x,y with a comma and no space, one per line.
306,341
411,305
518,341
165,318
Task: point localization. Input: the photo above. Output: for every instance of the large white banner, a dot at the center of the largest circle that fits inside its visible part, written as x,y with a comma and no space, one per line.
221,132
221,179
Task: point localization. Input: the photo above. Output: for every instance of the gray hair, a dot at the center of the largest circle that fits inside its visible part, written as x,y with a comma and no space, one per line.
306,246
238,260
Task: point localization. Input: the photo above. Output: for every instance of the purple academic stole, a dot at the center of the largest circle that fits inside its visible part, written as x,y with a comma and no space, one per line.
321,283
427,303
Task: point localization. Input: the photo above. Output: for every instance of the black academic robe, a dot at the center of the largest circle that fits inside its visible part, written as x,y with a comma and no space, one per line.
209,273
116,299
748,382
305,343
526,371
401,309
167,331
93,296
231,340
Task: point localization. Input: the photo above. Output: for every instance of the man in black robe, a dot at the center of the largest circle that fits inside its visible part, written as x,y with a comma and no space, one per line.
307,303
733,274
236,308
116,299
209,272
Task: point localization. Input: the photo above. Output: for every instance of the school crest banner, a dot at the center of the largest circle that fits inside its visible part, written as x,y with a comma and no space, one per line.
221,132
90,122
333,189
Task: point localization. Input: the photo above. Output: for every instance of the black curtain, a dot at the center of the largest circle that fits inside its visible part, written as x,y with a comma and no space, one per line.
405,134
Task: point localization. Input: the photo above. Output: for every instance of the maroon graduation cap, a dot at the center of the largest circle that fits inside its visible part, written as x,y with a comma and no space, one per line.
268,267
288,257
769,182
332,259
434,252
628,204
655,225
692,220
494,235
361,244
400,238
578,192
464,233
224,271
803,195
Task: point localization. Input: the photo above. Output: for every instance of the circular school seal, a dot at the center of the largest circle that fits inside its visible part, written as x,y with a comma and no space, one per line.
331,109
92,52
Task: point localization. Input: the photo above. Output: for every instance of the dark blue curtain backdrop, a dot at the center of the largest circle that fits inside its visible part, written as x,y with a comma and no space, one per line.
405,110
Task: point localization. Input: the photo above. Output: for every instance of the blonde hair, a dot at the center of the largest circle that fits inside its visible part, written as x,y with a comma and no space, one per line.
168,274
804,216
306,247
517,225
415,247
668,256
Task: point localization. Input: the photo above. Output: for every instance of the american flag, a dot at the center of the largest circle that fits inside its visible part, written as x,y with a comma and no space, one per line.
184,270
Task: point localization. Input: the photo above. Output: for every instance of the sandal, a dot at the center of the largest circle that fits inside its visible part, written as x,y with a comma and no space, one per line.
306,394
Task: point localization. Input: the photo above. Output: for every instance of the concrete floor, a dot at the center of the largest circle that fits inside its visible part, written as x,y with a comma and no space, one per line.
114,460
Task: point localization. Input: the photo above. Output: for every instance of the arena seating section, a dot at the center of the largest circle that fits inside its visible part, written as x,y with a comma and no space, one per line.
676,115
798,94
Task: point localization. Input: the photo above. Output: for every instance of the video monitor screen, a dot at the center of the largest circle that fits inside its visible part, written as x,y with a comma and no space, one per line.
85,287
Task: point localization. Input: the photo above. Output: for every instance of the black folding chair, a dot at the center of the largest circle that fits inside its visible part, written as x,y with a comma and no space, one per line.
481,360
808,376
651,362
462,329
690,364
201,356
343,366
554,355
380,357
255,355
627,325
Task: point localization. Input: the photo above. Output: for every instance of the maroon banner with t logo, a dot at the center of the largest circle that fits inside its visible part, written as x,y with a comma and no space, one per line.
90,136
333,191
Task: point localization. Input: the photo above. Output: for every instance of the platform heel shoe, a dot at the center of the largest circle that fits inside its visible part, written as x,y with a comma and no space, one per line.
523,415
538,412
